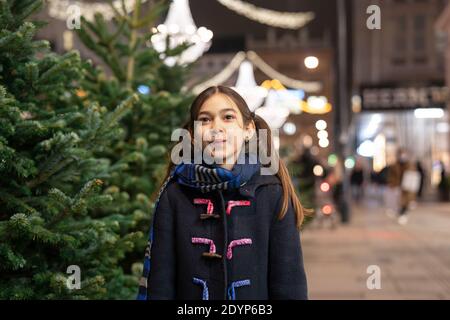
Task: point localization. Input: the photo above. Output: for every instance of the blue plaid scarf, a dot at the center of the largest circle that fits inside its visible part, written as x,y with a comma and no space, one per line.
209,178
205,178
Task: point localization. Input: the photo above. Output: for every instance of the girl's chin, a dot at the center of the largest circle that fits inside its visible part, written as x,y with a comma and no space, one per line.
220,157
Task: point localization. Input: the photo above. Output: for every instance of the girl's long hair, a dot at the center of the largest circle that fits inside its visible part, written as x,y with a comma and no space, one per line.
289,193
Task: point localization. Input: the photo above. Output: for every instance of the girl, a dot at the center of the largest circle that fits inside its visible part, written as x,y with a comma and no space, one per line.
225,231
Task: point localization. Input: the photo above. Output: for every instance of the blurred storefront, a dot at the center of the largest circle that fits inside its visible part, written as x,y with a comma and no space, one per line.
399,93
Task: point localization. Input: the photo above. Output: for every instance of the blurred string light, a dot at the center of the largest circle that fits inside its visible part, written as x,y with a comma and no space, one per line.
68,40
332,160
177,29
371,129
366,149
222,76
322,134
379,157
287,20
246,86
428,113
314,150
356,103
307,141
324,187
321,124
289,128
311,62
323,143
235,63
327,209
289,98
273,112
58,9
442,127
143,89
349,163
318,170
316,105
309,86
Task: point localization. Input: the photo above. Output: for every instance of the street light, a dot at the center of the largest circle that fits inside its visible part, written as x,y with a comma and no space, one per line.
311,62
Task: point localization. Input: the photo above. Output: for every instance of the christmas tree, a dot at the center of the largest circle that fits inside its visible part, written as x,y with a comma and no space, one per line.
51,178
139,157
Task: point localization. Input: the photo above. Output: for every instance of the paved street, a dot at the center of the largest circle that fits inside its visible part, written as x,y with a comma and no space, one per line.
414,259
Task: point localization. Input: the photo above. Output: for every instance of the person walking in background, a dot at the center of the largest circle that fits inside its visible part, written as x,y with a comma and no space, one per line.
392,191
356,181
336,182
421,171
443,185
410,186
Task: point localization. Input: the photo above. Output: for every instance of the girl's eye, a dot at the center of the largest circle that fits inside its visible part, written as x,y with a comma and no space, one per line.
229,117
203,119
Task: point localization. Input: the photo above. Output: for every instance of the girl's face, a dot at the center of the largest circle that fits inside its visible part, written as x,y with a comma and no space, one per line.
221,126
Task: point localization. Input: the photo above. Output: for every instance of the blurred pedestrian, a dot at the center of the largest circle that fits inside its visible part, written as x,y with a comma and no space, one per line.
335,180
356,182
421,171
443,185
410,186
392,190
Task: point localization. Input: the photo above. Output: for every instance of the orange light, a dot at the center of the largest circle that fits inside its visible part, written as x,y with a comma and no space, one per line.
324,187
81,93
327,209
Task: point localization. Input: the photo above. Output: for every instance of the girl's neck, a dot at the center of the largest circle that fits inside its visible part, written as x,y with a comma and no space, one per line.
228,166
229,162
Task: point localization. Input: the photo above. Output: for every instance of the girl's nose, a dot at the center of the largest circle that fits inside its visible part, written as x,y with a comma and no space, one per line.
217,124
217,127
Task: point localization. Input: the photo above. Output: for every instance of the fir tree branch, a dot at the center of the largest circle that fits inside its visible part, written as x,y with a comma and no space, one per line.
132,44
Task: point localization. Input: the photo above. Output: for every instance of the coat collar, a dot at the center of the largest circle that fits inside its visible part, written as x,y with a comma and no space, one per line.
249,189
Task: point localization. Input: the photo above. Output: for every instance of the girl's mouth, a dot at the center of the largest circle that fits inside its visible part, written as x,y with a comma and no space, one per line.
218,141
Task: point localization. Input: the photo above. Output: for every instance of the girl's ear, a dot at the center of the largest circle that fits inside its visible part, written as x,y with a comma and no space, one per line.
250,130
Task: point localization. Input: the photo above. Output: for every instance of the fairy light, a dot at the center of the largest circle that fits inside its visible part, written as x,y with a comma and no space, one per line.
324,186
58,8
321,124
311,62
322,134
223,75
327,209
309,86
280,79
177,29
287,20
318,170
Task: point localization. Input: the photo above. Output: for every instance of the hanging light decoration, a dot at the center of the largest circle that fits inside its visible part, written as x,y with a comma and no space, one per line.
310,86
246,86
273,112
287,20
58,9
279,82
316,105
179,28
289,98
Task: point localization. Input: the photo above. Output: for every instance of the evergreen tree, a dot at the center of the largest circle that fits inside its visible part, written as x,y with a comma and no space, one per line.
131,65
50,177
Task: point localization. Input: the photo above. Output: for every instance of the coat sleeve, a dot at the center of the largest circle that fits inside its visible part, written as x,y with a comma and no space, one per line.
161,263
287,278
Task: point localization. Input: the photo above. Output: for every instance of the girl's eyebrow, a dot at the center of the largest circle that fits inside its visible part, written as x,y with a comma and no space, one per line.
228,109
221,111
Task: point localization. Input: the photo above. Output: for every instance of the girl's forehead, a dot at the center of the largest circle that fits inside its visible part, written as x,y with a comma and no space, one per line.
217,102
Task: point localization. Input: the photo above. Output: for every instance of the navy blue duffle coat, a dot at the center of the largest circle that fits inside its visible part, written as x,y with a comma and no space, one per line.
226,244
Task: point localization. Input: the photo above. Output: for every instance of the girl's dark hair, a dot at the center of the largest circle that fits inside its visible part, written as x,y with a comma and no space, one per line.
289,193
